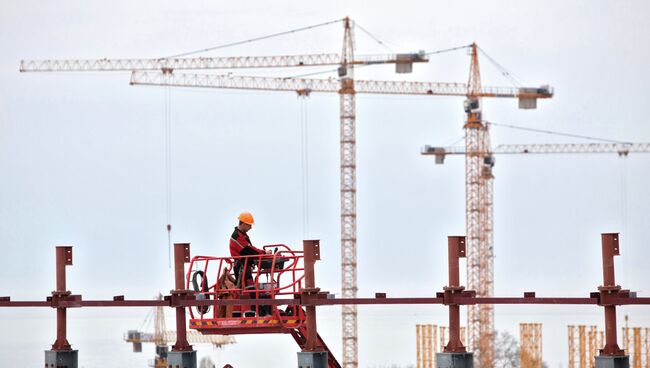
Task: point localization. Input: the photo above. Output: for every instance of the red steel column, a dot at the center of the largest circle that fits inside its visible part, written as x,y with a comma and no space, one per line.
311,250
181,256
63,258
609,288
456,250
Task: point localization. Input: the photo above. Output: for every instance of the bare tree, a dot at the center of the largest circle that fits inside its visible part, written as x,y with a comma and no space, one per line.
506,350
206,362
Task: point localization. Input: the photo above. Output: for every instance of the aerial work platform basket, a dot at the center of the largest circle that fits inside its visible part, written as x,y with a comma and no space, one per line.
278,275
273,276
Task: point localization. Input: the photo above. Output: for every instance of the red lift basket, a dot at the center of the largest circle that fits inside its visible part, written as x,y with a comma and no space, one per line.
270,276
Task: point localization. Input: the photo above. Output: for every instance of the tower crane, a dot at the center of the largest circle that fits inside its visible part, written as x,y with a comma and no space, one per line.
161,337
478,181
345,86
486,162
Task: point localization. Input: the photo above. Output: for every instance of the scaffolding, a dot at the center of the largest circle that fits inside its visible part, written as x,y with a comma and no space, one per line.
584,343
636,342
426,345
431,340
530,350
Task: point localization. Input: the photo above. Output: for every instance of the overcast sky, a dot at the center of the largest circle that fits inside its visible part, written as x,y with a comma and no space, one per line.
82,156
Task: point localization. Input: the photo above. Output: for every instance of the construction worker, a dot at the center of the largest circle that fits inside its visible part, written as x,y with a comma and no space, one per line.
240,245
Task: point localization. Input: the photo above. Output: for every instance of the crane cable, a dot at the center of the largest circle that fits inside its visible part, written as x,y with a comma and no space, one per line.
623,181
253,39
304,161
380,42
168,173
624,213
448,50
147,319
512,77
555,133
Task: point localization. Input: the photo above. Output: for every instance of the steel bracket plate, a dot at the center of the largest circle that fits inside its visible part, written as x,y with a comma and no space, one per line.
64,300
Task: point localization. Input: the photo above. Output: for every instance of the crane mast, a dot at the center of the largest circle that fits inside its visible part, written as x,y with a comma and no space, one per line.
478,221
348,199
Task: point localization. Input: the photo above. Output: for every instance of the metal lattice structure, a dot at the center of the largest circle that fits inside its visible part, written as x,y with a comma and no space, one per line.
160,329
572,354
596,341
584,344
430,340
444,337
530,348
316,85
478,202
426,338
622,149
645,345
348,201
206,63
636,342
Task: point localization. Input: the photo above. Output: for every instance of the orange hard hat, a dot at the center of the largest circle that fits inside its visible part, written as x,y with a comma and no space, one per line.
246,217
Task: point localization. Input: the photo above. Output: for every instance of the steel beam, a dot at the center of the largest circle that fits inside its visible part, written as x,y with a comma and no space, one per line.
181,256
61,355
609,296
610,248
456,250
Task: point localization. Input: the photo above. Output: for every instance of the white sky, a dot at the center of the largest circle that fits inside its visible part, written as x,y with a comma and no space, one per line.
82,157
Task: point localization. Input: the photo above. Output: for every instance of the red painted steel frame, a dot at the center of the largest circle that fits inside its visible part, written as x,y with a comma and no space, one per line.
63,258
609,296
323,301
607,291
181,256
309,293
456,250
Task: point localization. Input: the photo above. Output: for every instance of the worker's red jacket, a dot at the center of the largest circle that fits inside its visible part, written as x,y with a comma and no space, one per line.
238,241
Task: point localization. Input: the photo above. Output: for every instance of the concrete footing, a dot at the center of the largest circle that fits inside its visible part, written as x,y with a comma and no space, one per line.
61,358
312,359
455,360
162,351
613,361
182,359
